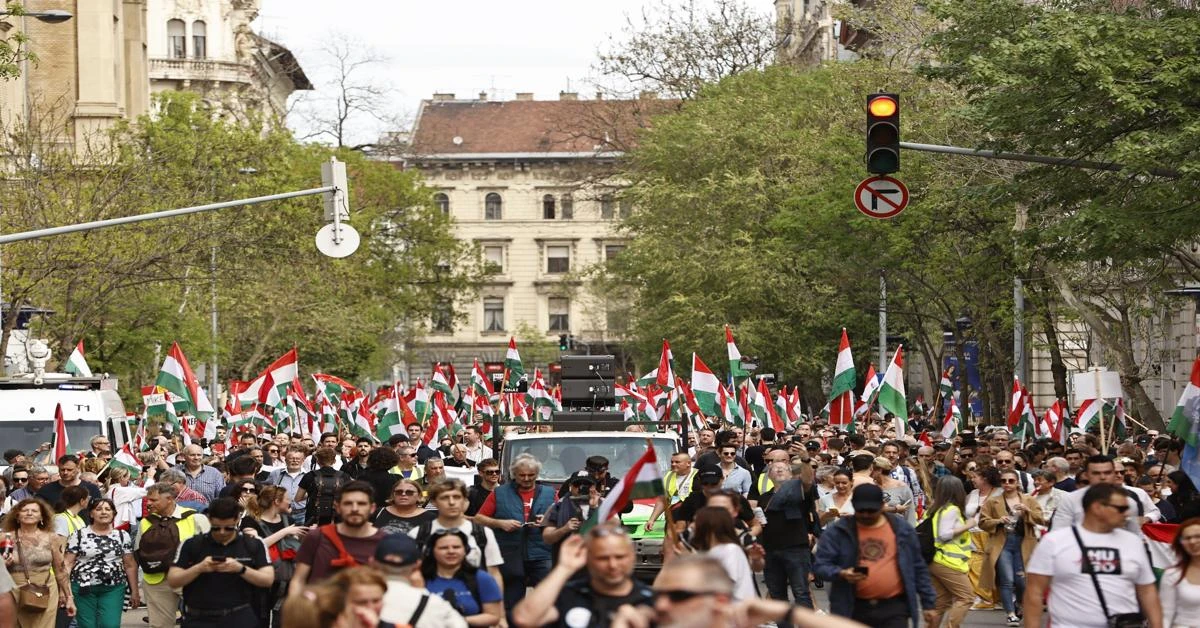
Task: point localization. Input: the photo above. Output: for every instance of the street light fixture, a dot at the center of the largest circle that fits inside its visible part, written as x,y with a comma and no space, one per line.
53,16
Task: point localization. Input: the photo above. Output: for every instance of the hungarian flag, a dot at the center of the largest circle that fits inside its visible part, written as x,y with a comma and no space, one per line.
124,459
764,410
1185,424
1114,418
737,372
643,480
439,381
176,377
841,394
705,386
76,365
870,391
953,421
891,392
665,375
481,384
1088,413
946,386
390,420
1159,537
271,385
512,364
61,446
1020,413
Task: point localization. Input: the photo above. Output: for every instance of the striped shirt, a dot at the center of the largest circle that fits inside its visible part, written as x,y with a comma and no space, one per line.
208,482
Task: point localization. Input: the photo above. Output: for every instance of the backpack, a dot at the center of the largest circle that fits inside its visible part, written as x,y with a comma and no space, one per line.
159,544
324,496
425,530
925,535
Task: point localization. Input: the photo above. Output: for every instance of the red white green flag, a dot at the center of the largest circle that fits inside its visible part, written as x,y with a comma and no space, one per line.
643,480
76,364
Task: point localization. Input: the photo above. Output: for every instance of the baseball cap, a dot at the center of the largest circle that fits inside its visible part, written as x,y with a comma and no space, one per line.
709,474
867,497
397,550
813,444
581,477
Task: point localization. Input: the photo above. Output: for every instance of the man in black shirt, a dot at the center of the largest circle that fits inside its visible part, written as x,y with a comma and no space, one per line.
707,482
68,475
790,508
213,569
486,482
607,553
320,487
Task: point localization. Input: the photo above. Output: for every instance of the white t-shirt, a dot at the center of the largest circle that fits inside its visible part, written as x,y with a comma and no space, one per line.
733,558
1119,560
491,553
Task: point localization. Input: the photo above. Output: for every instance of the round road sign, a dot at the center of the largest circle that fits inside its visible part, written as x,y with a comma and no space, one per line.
881,197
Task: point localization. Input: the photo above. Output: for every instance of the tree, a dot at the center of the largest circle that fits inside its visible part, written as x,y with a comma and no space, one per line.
340,111
13,51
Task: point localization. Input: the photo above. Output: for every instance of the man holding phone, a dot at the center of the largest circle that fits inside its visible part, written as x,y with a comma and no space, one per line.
874,562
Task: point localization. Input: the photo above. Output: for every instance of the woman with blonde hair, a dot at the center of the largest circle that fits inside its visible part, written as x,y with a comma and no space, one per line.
951,560
36,564
351,599
1011,519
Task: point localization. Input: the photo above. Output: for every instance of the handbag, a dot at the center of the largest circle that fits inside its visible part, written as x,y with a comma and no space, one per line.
31,597
1122,620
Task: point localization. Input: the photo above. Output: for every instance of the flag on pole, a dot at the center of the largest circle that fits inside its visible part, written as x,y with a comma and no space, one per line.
61,444
1053,424
513,365
891,392
643,480
953,421
76,365
277,376
1185,424
870,391
1159,540
946,386
737,372
124,459
764,410
705,386
176,377
841,394
1020,412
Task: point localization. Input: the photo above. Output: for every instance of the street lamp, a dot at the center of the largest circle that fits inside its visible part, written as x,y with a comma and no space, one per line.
53,16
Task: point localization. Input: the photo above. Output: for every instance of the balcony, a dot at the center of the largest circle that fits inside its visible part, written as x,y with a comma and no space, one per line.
200,70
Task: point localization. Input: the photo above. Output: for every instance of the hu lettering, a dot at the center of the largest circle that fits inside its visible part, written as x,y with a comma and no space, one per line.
1104,560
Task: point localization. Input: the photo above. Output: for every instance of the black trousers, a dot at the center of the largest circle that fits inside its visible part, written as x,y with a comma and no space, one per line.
889,613
240,618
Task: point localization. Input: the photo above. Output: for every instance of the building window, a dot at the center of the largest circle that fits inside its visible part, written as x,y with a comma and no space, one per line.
443,317
616,315
607,207
199,35
493,207
443,203
493,314
560,314
568,207
611,251
548,207
558,258
493,259
626,208
176,39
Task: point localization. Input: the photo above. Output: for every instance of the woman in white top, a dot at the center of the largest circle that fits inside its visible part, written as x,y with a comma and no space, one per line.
837,504
1180,590
713,533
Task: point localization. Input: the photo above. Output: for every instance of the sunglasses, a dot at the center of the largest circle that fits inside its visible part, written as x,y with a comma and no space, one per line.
405,493
249,489
677,596
272,451
491,471
20,480
728,453
1123,508
224,528
1008,481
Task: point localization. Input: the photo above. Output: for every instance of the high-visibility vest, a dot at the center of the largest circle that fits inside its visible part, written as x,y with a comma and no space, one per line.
956,553
74,522
187,529
672,482
765,485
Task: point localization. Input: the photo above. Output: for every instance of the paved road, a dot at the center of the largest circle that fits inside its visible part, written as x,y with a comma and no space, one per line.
974,618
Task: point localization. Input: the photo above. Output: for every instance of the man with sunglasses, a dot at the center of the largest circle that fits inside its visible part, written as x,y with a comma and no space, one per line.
1096,554
486,482
214,570
1101,470
593,601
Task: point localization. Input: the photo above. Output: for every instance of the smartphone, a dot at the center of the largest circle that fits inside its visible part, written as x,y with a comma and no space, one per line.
862,570
218,559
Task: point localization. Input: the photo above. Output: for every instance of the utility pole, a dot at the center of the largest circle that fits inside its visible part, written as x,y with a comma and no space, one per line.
882,322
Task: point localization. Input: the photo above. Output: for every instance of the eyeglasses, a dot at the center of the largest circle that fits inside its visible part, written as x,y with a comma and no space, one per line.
1122,508
20,480
224,528
728,453
405,493
1008,481
491,471
678,596
249,489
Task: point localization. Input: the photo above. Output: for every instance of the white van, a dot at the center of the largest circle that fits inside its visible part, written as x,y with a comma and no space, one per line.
90,406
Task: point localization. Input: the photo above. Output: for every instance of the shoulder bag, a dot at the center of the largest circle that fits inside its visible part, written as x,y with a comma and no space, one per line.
31,597
1123,620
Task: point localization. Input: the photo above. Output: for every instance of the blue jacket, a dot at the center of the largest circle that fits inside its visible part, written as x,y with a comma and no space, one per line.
526,543
838,550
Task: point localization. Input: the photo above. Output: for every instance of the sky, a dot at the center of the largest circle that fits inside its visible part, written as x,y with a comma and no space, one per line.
464,47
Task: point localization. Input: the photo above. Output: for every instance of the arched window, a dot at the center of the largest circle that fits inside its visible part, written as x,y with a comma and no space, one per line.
548,207
443,202
176,39
493,207
199,40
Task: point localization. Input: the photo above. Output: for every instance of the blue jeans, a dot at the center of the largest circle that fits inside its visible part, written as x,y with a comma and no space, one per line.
1010,572
514,583
788,566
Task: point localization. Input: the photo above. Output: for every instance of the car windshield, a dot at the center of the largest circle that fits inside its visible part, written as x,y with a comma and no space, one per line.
562,456
28,435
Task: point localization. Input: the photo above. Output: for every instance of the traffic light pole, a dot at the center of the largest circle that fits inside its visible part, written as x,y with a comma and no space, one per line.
1037,159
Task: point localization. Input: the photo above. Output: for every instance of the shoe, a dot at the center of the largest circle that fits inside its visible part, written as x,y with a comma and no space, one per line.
1013,620
820,584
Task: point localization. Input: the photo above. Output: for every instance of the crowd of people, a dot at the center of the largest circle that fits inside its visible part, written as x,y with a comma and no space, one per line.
286,530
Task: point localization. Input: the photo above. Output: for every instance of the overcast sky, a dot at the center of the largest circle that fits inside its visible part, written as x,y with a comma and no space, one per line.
463,47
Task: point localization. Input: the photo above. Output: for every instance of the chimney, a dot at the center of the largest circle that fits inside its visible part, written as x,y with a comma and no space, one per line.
524,95
648,95
599,95
568,96
442,97
482,96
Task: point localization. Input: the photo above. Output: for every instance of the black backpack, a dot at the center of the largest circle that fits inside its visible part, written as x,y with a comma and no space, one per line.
159,544
324,496
925,535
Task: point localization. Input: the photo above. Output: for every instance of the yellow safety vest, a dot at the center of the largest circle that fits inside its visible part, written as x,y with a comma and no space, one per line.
764,483
956,553
74,522
672,482
187,529
418,472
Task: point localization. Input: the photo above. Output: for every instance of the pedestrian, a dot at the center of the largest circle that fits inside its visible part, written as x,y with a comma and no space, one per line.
36,563
200,477
515,511
1095,561
838,503
100,560
558,600
792,525
332,547
8,605
157,545
67,519
449,496
1011,520
282,539
874,563
736,477
399,559
1100,469
378,473
402,513
289,477
952,550
364,589
321,487
713,533
567,515
219,572
472,592
1180,589
898,497
485,482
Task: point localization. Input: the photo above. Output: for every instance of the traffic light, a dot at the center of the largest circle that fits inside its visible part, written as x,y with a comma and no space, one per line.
883,133
563,343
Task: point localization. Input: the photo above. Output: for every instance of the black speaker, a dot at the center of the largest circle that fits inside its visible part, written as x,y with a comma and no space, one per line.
593,367
587,391
582,421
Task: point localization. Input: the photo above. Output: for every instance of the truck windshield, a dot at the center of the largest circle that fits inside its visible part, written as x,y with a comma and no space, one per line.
562,456
28,435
